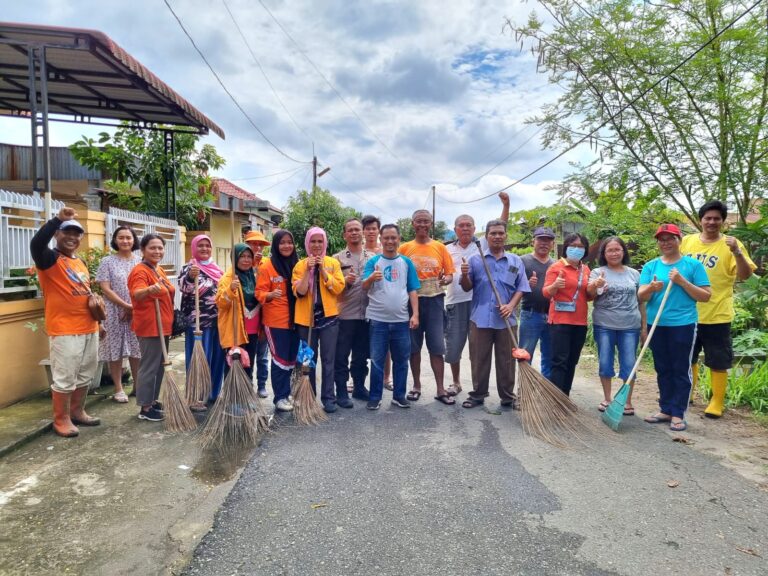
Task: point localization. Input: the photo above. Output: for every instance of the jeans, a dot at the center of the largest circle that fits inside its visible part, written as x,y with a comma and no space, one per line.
533,329
609,340
672,348
394,337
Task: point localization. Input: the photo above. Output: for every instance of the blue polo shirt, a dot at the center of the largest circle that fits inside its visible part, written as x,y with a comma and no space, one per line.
508,273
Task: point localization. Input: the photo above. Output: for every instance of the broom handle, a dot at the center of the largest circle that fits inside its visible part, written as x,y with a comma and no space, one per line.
197,305
234,266
312,309
496,292
650,334
160,332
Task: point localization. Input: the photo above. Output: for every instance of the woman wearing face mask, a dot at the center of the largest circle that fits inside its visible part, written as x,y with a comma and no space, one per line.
566,286
317,283
207,272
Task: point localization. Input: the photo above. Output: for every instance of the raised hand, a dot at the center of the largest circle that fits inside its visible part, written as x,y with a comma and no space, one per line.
559,282
464,266
657,285
732,244
67,213
377,274
533,281
351,277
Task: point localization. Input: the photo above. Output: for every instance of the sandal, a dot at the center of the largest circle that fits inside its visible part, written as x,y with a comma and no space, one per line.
121,397
388,385
658,418
678,426
454,389
470,403
414,395
603,405
445,399
629,411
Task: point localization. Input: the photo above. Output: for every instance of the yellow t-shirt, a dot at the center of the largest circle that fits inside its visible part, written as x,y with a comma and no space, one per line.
720,264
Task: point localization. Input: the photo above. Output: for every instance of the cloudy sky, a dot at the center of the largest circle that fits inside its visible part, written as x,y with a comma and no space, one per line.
394,95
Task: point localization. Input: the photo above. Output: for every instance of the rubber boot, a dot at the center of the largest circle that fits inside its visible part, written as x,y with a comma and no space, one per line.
717,402
695,374
77,409
62,423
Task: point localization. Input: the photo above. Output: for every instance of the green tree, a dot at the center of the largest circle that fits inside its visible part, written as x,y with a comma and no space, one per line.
320,208
133,157
694,134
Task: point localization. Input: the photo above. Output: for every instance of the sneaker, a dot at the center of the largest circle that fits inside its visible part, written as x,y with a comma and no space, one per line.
263,392
345,403
153,415
329,407
361,394
373,404
284,405
401,403
158,406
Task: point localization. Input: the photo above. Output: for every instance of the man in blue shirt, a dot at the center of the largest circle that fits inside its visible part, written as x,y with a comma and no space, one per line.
488,320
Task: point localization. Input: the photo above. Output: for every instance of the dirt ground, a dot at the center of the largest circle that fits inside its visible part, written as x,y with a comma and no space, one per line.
737,440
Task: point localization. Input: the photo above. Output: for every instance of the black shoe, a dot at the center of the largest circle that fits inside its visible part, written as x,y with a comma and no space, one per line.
153,415
344,403
361,394
374,404
329,407
158,406
401,403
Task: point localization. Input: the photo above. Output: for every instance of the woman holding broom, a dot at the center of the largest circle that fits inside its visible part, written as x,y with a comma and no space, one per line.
208,274
317,283
566,286
273,289
672,344
237,295
148,283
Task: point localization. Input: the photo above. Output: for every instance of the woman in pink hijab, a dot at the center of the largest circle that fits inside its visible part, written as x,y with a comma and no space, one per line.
317,283
208,273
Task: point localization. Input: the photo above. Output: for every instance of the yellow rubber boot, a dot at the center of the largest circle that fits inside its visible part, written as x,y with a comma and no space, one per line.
695,373
717,402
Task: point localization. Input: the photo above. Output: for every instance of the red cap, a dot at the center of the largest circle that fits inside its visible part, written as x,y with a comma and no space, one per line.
668,229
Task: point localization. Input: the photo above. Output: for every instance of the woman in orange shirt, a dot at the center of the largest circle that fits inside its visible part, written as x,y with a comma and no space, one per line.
148,283
566,286
273,290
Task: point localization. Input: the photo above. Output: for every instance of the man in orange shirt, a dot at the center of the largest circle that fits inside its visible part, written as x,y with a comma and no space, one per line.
434,266
73,334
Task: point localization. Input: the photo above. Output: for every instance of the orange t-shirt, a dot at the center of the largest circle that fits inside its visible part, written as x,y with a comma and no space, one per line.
66,299
275,313
571,275
144,323
431,260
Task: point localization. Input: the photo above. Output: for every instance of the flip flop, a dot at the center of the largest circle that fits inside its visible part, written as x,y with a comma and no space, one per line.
658,418
453,390
388,385
629,411
678,426
445,399
603,405
414,395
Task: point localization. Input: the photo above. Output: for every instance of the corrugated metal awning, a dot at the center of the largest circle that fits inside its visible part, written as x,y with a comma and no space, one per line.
89,77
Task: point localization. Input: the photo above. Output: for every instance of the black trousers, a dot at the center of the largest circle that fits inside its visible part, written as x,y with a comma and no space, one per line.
353,337
566,341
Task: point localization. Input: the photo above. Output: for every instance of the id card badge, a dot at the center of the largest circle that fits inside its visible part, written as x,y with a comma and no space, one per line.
565,306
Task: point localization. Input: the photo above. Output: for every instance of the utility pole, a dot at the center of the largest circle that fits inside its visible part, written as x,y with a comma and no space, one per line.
434,222
314,173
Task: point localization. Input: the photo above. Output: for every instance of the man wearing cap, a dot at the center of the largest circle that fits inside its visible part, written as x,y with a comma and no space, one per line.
256,242
535,306
726,261
73,334
458,303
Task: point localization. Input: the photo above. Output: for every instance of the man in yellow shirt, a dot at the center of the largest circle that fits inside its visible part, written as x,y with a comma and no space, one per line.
726,260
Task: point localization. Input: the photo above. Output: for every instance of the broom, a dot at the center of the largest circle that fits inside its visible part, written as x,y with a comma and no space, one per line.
546,412
237,417
199,373
306,410
615,411
178,417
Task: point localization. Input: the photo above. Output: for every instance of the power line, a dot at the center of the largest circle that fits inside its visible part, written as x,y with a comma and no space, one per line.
261,69
265,175
507,157
299,169
363,198
331,86
221,83
620,111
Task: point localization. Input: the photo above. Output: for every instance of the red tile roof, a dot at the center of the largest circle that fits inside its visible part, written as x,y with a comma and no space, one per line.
224,186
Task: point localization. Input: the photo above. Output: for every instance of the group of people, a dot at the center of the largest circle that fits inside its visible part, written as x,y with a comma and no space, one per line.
378,300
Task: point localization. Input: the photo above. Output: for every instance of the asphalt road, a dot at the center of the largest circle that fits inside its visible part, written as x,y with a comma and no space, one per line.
445,490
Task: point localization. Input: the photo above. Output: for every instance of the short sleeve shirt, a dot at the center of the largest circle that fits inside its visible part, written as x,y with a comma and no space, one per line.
455,293
388,298
431,260
680,309
617,307
508,275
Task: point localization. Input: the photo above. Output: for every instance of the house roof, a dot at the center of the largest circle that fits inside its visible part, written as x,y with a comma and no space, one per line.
89,77
224,186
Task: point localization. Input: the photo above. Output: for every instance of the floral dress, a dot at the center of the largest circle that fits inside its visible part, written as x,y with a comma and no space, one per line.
120,340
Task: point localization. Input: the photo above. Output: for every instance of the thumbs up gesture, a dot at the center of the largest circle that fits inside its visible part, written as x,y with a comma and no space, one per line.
600,281
656,285
464,266
559,282
377,274
533,281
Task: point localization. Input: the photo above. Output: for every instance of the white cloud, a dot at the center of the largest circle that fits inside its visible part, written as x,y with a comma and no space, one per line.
438,82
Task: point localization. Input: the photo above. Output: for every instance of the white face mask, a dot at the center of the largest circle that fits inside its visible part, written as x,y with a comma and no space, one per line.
205,262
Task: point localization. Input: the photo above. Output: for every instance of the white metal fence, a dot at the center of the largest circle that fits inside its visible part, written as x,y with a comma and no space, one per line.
145,224
21,215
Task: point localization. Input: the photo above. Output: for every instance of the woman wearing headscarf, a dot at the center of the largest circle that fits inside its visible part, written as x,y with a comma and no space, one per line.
278,303
208,274
237,295
317,283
